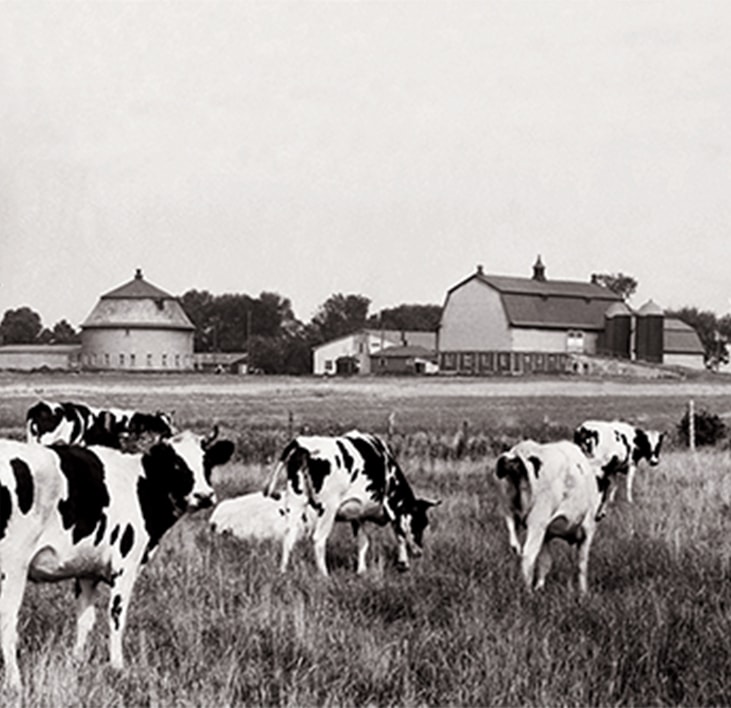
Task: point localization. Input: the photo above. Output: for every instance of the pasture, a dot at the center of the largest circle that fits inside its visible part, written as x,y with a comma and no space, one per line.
213,623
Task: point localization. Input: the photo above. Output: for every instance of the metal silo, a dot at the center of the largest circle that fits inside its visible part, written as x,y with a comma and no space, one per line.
649,340
618,330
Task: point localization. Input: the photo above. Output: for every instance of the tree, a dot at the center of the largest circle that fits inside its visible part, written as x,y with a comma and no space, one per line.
64,333
340,315
21,326
415,318
624,285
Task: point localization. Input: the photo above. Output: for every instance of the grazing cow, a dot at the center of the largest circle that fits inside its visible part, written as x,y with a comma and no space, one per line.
618,447
78,424
96,515
355,478
551,491
252,516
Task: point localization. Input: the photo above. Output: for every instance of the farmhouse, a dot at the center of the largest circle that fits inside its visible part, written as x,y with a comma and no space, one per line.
352,354
140,327
513,325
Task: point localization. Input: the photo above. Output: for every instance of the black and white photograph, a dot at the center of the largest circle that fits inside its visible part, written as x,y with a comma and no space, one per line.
365,353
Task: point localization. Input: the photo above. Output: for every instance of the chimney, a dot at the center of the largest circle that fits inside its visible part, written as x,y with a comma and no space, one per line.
539,270
479,269
138,274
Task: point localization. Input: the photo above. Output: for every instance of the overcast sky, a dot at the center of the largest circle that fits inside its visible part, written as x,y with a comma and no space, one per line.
379,148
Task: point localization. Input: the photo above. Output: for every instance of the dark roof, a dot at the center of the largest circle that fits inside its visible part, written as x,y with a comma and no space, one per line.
138,287
680,338
403,352
550,303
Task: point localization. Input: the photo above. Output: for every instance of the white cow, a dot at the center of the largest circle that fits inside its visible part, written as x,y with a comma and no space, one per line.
252,516
96,515
550,491
618,447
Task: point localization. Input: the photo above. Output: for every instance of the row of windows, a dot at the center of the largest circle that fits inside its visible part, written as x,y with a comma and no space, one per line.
131,361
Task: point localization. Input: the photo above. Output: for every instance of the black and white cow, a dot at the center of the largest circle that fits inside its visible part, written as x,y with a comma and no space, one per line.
548,491
78,424
96,515
355,478
618,447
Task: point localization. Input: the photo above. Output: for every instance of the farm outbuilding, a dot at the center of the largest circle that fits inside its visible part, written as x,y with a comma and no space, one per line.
352,354
404,360
512,325
34,357
139,327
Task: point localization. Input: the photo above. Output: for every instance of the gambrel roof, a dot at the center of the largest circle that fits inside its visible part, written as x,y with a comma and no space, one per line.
553,304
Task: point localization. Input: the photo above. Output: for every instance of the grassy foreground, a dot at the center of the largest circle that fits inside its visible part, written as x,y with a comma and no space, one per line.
212,623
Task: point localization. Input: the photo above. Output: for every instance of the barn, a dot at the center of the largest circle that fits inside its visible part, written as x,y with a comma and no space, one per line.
137,327
495,324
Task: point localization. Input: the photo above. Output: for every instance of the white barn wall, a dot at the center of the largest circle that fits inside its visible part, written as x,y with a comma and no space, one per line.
153,349
536,340
474,320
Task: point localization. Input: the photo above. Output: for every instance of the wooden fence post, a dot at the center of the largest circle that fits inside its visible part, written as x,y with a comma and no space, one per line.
691,425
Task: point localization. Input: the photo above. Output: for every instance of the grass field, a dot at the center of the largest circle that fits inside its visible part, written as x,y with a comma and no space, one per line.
213,623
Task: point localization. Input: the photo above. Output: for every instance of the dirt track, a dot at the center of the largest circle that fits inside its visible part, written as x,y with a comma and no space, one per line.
55,386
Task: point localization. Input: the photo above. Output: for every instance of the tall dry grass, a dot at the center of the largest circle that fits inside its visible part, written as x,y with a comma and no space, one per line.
213,623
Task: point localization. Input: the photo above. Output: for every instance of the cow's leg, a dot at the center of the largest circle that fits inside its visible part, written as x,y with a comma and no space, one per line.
584,545
630,479
363,542
85,614
534,539
323,527
543,565
119,598
13,579
512,533
296,507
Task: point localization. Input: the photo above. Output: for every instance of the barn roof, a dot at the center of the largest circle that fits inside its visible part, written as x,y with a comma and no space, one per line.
680,338
542,303
138,304
405,352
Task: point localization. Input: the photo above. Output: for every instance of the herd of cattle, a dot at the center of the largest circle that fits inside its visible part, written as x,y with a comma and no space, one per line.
91,492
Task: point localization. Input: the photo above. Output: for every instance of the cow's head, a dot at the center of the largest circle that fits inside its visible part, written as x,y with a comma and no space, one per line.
647,445
587,440
182,466
412,526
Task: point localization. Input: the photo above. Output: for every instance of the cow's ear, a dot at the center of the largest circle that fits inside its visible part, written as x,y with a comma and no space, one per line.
219,453
502,469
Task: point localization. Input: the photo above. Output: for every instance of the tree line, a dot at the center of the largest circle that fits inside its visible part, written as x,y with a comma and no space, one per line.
265,326
277,342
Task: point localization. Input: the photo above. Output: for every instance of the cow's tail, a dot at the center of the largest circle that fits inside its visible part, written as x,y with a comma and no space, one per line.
270,488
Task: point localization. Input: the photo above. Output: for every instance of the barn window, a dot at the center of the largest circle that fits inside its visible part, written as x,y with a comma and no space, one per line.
328,364
149,361
132,360
121,360
177,361
164,360
575,341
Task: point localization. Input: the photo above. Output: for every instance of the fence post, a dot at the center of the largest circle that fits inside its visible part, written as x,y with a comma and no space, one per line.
691,425
290,425
391,425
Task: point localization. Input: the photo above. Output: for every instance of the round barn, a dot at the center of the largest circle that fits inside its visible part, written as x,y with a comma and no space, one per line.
137,326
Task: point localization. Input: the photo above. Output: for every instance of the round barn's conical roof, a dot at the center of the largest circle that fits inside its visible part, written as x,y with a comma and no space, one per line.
138,304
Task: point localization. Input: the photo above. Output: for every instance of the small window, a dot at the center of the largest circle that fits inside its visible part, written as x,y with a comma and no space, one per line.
132,361
164,361
106,360
328,365
149,361
121,360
